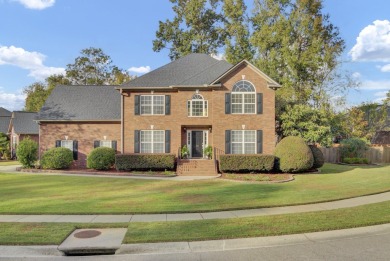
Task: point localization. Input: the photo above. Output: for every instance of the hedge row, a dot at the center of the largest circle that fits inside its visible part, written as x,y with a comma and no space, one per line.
145,161
355,160
246,163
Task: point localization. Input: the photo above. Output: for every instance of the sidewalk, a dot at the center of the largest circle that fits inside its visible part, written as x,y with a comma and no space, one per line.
346,203
155,251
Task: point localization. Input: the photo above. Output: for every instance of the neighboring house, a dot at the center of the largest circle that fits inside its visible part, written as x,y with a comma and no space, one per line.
5,117
196,101
80,118
22,125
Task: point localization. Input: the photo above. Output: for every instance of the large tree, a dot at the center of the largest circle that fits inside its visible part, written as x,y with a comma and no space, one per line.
196,28
93,67
298,46
236,25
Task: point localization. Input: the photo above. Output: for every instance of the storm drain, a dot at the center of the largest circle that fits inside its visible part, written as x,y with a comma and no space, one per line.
93,241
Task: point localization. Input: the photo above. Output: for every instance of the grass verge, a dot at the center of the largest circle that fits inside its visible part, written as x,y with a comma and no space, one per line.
55,233
9,162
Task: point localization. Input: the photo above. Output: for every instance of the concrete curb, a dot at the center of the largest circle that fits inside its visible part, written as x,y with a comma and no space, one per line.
211,245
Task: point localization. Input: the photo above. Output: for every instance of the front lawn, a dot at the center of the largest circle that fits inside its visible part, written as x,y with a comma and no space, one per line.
55,233
50,194
9,162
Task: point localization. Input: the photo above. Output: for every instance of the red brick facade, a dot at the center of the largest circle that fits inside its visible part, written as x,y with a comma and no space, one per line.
217,122
85,133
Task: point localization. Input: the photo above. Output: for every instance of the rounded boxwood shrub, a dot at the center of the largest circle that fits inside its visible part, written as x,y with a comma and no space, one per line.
27,152
57,158
101,158
318,157
294,155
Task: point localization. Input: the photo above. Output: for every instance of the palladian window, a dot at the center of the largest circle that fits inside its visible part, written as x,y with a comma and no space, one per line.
243,98
197,106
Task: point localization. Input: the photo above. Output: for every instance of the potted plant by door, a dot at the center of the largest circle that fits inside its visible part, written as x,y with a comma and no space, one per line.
208,152
184,152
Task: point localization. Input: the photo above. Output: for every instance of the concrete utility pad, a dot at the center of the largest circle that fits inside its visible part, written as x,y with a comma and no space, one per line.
93,241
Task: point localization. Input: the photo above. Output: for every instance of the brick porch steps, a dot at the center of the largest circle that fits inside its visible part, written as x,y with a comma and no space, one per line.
195,167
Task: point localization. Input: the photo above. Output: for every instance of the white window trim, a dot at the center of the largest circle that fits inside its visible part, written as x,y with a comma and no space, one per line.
152,141
204,107
62,146
243,103
101,142
243,142
151,105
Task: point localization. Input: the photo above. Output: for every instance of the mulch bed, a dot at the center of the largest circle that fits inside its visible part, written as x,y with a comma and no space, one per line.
262,178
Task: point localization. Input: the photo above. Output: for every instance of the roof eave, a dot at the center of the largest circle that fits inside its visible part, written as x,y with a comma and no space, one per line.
67,120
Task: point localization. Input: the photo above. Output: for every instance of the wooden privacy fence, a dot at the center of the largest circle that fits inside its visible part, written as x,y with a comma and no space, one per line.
375,154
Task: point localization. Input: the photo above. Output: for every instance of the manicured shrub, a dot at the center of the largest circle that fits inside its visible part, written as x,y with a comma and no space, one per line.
353,148
27,152
145,161
101,158
57,158
294,155
318,157
355,160
246,163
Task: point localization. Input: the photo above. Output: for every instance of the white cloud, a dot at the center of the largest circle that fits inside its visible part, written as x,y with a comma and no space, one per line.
381,96
218,56
375,85
11,101
141,69
36,4
32,61
385,68
356,75
373,43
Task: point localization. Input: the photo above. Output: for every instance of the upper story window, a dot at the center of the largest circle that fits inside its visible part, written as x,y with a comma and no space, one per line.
152,104
197,106
243,99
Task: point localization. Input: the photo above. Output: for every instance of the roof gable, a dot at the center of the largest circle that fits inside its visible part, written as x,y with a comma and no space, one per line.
24,122
191,70
271,83
5,112
82,103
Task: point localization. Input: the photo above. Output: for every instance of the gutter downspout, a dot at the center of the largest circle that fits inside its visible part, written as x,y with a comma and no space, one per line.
122,124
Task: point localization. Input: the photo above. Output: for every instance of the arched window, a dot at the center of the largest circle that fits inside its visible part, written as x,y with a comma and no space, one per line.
197,106
243,98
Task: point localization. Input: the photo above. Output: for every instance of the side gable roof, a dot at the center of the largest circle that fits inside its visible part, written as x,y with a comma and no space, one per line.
82,103
5,112
191,70
4,124
271,83
23,122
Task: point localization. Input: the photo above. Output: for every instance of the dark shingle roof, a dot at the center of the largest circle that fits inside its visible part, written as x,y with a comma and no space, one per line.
24,123
5,112
4,124
83,103
193,69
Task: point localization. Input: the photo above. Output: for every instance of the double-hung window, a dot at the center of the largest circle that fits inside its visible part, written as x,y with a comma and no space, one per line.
67,144
152,104
197,106
243,141
243,98
152,141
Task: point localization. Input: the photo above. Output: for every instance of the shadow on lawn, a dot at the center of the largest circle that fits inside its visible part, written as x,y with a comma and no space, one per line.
331,168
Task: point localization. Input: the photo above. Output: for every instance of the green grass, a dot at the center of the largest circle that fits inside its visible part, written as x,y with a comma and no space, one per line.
50,194
9,162
55,233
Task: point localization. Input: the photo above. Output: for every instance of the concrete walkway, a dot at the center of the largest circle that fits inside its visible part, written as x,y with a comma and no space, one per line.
346,203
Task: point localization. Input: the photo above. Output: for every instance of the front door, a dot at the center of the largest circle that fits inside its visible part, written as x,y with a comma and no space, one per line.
197,144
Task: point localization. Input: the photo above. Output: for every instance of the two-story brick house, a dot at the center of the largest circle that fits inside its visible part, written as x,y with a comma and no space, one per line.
196,101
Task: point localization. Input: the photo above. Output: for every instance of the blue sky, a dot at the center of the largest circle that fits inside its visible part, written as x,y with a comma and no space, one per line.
40,37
